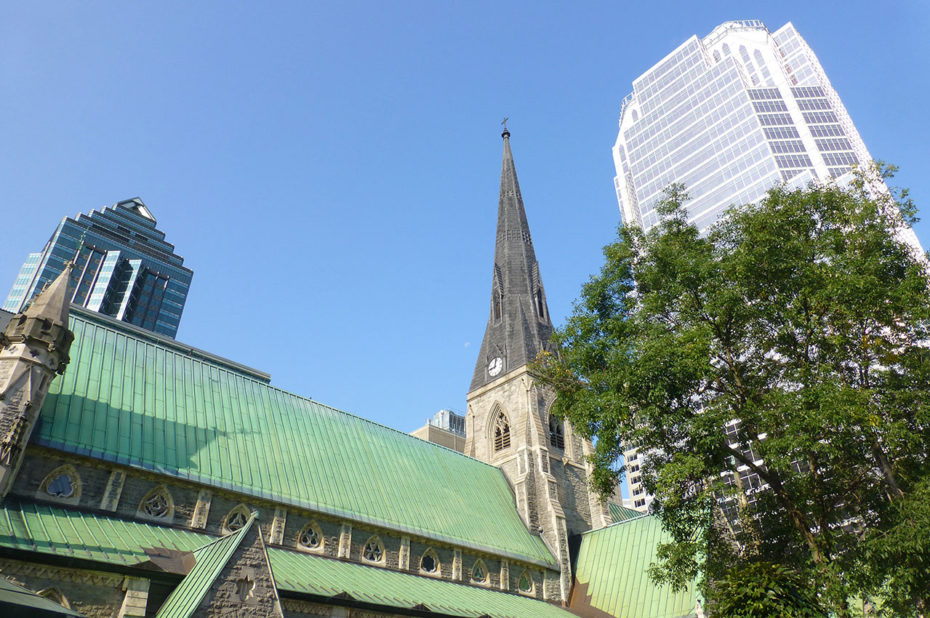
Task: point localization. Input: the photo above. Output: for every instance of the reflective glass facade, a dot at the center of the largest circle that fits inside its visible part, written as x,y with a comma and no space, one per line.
122,267
730,116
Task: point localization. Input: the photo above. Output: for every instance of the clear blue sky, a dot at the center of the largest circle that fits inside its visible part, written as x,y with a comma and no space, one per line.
330,170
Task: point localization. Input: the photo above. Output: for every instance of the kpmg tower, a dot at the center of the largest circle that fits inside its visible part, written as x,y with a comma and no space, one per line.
122,268
730,116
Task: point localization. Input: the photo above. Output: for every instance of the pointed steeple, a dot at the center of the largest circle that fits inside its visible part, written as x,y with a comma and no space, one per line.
45,321
54,301
519,326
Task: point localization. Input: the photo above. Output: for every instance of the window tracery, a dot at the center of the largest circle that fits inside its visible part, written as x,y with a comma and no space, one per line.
311,537
556,432
479,573
157,504
501,432
236,519
374,550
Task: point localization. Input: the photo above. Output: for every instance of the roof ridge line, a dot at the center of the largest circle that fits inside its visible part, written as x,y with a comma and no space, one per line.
618,523
239,532
245,371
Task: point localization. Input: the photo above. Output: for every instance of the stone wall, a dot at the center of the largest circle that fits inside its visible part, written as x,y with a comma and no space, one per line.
123,488
94,594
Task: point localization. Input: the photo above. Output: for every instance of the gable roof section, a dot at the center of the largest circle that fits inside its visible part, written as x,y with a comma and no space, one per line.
611,573
72,534
621,513
148,402
211,558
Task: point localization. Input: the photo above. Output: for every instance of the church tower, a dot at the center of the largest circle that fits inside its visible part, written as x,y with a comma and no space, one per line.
33,349
507,422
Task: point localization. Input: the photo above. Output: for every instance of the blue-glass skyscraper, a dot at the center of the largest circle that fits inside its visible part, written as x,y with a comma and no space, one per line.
123,267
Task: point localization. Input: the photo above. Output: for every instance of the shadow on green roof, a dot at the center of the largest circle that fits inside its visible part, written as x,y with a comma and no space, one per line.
155,404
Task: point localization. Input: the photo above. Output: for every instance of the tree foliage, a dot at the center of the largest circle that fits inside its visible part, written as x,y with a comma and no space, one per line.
765,590
775,373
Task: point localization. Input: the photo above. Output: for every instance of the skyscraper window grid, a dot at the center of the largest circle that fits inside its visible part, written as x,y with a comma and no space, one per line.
123,267
730,116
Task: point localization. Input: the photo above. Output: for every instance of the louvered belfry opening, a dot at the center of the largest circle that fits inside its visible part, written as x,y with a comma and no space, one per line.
501,432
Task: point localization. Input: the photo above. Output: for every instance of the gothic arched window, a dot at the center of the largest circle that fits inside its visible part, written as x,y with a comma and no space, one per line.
373,551
311,537
556,432
62,484
236,518
525,583
157,504
429,562
479,573
501,432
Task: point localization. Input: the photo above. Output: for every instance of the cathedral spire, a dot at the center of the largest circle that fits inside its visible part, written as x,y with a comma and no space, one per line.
519,326
54,302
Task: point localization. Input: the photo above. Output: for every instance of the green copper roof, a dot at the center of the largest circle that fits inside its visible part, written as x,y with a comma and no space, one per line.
150,402
72,534
49,530
621,513
611,573
210,560
298,572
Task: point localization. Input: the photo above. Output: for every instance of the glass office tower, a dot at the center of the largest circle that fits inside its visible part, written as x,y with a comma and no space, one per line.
123,267
730,116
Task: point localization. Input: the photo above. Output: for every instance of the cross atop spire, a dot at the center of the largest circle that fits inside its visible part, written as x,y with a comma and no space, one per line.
519,326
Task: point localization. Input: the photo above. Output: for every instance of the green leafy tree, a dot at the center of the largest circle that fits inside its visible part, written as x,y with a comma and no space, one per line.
765,590
801,326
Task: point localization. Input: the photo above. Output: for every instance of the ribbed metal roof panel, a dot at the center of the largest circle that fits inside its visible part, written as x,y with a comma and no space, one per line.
49,530
150,403
297,572
621,513
612,565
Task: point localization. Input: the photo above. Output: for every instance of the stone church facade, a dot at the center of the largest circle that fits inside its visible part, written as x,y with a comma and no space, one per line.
142,477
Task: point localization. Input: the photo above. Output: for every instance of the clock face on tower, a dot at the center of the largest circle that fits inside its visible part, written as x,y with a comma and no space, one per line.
495,366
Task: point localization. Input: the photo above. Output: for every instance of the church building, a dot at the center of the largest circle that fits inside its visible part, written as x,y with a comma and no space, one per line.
142,477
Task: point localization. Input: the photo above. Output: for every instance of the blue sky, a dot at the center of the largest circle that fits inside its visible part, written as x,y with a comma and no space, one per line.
330,170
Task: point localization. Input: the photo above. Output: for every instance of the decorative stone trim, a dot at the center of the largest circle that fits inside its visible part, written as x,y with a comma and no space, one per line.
345,541
403,555
505,575
55,595
137,596
17,568
457,565
201,510
276,536
63,484
113,491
